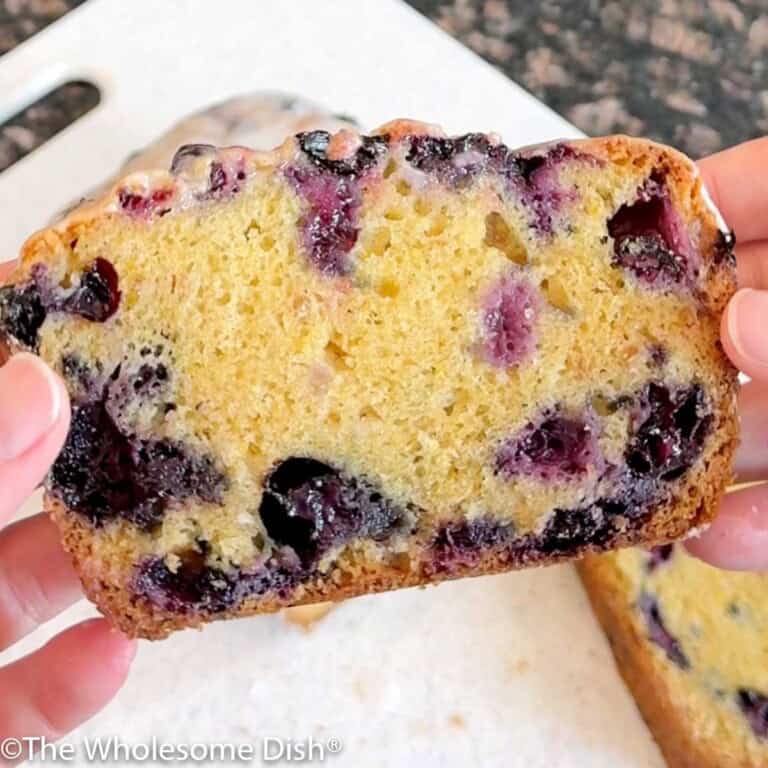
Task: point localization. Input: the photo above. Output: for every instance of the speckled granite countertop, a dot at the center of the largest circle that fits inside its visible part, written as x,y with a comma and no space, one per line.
692,73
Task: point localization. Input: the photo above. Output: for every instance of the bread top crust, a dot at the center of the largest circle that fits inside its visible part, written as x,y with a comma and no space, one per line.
182,187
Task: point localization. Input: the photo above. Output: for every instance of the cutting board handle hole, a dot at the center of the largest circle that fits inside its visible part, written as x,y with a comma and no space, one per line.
41,120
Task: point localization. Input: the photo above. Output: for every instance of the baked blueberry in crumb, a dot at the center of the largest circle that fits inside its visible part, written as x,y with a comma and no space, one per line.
24,307
195,587
570,530
105,472
509,322
98,296
332,191
22,312
754,705
463,544
658,633
669,429
660,555
651,240
556,447
311,507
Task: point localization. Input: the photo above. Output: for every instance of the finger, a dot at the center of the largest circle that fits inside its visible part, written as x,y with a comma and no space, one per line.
744,332
37,580
751,462
34,419
738,538
6,267
752,264
738,184
67,681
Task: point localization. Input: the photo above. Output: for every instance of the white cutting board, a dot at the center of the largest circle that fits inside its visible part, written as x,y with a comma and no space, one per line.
498,671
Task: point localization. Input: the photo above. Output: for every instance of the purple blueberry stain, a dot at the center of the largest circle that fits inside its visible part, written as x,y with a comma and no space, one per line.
555,447
311,507
650,238
754,706
508,329
658,632
105,471
659,556
24,307
332,192
531,175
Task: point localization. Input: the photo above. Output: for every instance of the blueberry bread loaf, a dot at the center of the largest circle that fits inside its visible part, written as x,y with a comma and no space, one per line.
359,363
260,120
692,644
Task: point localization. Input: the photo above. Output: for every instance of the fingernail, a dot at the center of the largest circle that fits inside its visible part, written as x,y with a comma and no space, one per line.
748,324
30,404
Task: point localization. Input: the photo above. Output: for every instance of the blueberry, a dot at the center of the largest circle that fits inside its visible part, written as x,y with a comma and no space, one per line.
509,323
156,203
669,431
650,238
22,313
98,296
314,144
195,587
311,507
660,555
556,447
754,705
463,543
658,633
569,530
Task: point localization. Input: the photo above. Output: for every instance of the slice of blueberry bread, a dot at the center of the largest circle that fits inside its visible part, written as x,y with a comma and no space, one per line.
692,644
358,363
